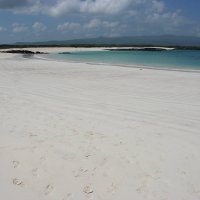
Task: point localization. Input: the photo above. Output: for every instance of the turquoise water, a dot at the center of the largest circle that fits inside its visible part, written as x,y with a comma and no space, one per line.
184,59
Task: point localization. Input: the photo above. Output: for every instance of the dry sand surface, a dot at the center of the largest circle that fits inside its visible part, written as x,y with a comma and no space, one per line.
76,131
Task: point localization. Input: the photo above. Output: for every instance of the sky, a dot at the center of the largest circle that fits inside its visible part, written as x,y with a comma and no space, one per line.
45,20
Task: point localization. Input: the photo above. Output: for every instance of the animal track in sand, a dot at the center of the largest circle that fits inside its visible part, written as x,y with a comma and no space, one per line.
35,171
69,197
96,171
181,171
97,149
78,176
70,156
33,149
104,162
16,164
127,159
83,170
88,191
89,135
82,148
49,189
105,174
32,135
87,155
142,189
80,172
18,182
162,158
114,188
118,144
40,142
43,159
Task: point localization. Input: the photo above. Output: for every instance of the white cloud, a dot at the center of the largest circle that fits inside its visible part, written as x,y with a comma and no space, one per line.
19,28
158,5
75,27
2,29
62,27
164,23
82,7
93,24
107,24
140,16
15,25
110,7
39,27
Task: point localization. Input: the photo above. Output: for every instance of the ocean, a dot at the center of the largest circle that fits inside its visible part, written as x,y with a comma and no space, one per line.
173,59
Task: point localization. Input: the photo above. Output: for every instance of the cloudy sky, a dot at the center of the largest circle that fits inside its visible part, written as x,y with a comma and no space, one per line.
42,20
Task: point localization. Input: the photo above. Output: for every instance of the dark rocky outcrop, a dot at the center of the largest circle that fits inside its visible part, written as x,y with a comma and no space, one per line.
25,52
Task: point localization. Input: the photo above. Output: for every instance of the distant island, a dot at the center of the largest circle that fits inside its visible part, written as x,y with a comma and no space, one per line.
143,49
172,41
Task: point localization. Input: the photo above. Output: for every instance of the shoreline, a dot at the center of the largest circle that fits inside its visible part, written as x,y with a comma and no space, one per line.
42,56
57,50
125,65
70,49
112,64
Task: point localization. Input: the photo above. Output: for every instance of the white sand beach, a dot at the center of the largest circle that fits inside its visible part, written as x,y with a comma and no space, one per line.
77,131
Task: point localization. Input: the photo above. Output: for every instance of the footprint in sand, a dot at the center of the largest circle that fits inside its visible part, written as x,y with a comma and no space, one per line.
43,159
83,169
87,155
127,159
162,158
32,135
70,156
96,171
114,188
33,149
88,191
80,172
104,162
142,189
49,189
18,182
16,164
69,197
35,171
